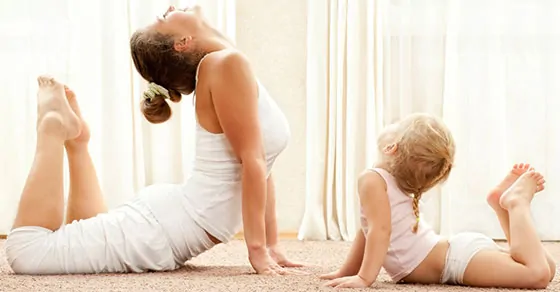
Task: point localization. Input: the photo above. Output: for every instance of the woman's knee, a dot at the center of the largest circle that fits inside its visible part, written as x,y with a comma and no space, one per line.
16,257
23,247
22,267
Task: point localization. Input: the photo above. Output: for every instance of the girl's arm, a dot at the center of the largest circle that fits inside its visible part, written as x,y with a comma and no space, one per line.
377,210
354,259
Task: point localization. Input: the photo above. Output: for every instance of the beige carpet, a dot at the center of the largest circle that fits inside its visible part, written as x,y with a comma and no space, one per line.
224,268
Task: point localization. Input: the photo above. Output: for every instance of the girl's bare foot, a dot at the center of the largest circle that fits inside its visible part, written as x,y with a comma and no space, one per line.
493,198
84,136
522,191
54,115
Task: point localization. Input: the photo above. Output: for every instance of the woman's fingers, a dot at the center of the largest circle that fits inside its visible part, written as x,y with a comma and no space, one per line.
292,264
295,272
269,272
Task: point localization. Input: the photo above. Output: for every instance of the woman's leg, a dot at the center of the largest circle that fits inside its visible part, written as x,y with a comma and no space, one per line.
526,266
42,200
502,214
85,199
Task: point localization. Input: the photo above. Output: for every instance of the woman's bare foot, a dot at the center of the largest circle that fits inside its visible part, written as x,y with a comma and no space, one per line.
84,136
522,191
54,115
493,198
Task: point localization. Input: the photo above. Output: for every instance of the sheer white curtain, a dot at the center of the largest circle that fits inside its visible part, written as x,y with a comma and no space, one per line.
344,90
86,46
501,98
487,67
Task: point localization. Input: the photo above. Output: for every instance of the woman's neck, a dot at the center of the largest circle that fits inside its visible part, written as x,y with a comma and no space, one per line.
216,41
223,38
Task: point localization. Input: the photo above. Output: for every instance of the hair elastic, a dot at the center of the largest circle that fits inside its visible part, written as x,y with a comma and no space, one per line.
154,90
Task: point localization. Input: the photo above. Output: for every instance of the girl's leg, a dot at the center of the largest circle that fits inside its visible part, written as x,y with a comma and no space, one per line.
493,198
42,200
85,199
502,214
526,266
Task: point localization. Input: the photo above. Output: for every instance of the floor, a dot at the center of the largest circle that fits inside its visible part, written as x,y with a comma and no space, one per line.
224,268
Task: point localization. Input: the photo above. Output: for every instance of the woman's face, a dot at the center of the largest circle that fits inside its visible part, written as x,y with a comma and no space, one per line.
180,22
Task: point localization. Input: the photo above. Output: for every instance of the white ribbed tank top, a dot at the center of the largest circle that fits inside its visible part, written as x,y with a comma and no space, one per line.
211,194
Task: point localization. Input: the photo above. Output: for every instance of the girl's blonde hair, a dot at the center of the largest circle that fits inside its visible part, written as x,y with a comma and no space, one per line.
424,155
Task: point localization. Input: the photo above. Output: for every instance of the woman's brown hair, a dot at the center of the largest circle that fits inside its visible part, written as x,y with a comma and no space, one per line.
423,158
157,61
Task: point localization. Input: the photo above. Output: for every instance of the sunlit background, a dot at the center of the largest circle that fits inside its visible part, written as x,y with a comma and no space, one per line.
340,70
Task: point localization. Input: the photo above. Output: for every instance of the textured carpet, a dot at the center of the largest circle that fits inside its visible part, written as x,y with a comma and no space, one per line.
224,268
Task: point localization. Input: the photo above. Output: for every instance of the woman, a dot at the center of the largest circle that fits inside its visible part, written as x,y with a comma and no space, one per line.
240,132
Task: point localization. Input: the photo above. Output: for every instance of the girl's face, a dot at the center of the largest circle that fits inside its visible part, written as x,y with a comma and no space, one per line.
387,136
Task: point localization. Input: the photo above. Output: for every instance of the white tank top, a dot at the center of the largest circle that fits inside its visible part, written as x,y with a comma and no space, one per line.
213,191
211,195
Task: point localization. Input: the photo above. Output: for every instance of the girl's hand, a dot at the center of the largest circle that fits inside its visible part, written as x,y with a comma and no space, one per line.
332,275
348,282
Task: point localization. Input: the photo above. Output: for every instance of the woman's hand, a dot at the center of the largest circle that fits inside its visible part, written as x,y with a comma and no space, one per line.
264,264
348,282
280,258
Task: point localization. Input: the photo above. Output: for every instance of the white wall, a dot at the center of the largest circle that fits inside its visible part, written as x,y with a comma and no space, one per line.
273,35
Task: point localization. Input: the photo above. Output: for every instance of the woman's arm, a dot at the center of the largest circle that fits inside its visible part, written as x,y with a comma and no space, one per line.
274,249
377,210
270,215
234,94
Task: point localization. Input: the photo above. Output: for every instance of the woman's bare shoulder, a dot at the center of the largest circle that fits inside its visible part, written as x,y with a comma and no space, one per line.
228,61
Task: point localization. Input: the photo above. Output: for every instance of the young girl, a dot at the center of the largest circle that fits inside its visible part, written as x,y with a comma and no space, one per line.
415,155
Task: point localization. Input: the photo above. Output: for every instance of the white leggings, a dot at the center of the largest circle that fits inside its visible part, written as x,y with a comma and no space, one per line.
126,239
